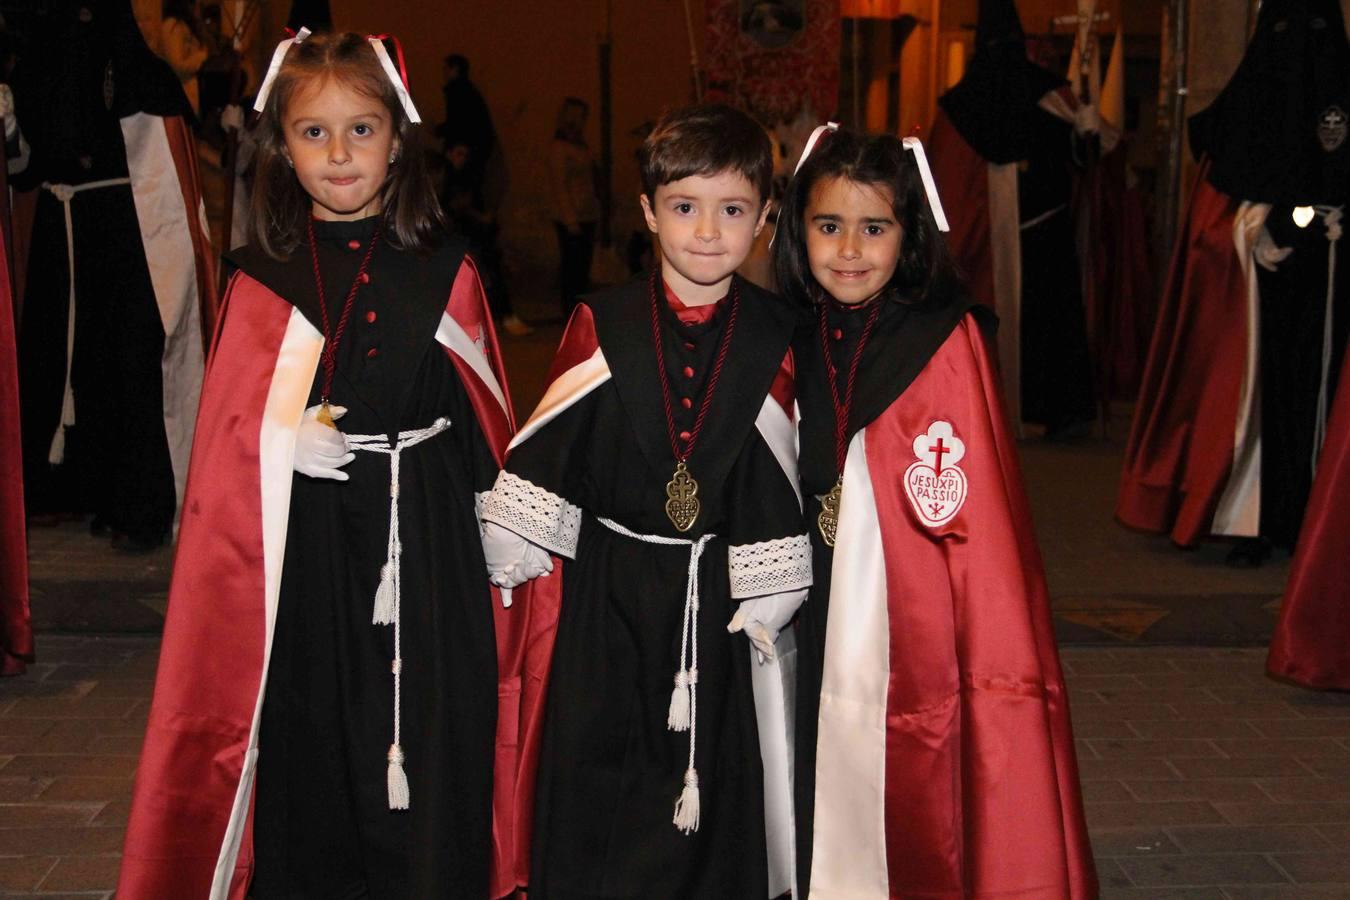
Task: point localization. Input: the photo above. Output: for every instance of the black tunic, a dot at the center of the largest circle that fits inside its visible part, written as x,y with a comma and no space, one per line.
322,826
1293,314
904,338
1056,367
89,69
610,770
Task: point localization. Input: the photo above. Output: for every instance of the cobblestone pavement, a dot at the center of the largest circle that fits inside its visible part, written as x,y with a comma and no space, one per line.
1203,778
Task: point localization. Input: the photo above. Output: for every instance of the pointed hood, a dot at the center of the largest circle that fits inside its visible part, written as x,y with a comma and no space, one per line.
1277,133
994,106
998,23
88,67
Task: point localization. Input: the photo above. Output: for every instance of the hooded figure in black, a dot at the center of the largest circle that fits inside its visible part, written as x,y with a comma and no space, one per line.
999,108
94,418
1277,135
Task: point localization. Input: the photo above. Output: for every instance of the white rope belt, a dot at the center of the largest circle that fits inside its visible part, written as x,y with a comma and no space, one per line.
683,713
388,597
1331,218
65,193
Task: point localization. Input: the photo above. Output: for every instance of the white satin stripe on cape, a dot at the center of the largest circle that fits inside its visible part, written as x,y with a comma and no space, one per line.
849,855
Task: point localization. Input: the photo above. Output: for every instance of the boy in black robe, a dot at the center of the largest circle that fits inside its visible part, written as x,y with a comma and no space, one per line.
685,371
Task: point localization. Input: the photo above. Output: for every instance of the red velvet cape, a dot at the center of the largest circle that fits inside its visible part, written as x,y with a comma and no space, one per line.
16,631
1180,451
1312,638
189,833
945,758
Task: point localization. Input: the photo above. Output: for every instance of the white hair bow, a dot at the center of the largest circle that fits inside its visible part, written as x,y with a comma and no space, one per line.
278,56
376,44
915,146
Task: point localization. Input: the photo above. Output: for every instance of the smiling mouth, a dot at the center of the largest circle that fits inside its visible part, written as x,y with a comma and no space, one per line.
850,274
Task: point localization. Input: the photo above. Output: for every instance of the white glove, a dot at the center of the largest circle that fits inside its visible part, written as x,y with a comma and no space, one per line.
1086,119
761,618
7,111
320,450
1267,253
232,117
511,559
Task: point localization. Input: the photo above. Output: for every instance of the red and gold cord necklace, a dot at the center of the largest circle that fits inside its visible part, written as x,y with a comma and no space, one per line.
828,520
682,503
331,338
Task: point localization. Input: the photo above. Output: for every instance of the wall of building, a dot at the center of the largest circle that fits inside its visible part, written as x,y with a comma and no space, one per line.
525,57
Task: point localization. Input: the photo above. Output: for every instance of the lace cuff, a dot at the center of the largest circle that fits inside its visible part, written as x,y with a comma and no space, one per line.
770,567
533,513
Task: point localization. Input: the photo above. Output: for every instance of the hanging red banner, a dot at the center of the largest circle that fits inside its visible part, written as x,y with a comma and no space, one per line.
777,59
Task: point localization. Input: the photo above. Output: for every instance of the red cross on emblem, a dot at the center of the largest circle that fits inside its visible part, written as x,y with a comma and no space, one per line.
939,449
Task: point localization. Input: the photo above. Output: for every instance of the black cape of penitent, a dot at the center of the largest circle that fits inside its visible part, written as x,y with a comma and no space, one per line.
1277,132
994,105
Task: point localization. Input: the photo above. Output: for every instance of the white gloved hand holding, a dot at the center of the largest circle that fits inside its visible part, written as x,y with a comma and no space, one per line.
7,111
320,450
1087,119
761,618
511,559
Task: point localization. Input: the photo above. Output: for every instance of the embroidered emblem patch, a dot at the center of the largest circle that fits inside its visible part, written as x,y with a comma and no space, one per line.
1331,126
934,483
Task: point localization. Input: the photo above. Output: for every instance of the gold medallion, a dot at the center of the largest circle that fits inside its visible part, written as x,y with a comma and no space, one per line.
325,416
828,520
683,505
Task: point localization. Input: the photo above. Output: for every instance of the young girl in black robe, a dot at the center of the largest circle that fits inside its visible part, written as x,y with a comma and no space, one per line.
377,698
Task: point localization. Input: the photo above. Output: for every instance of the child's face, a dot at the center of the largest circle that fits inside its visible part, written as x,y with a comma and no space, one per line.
706,225
852,238
340,142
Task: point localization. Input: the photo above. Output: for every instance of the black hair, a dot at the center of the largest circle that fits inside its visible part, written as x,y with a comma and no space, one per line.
925,268
706,140
280,207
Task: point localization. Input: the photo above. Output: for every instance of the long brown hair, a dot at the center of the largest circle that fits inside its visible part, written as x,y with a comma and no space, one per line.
925,269
280,206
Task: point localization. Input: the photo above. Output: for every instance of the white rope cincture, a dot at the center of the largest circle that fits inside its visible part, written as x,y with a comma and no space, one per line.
683,714
915,146
278,57
389,597
64,193
1331,218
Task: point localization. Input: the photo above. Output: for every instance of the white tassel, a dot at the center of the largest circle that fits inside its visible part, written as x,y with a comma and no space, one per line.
398,781
686,808
678,717
384,597
57,454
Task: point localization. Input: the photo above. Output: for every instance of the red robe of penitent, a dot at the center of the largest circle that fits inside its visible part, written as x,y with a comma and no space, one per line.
1189,467
945,763
190,832
16,631
1312,639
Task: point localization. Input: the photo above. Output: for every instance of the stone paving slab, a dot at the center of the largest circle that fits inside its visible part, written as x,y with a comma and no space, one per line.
1249,799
